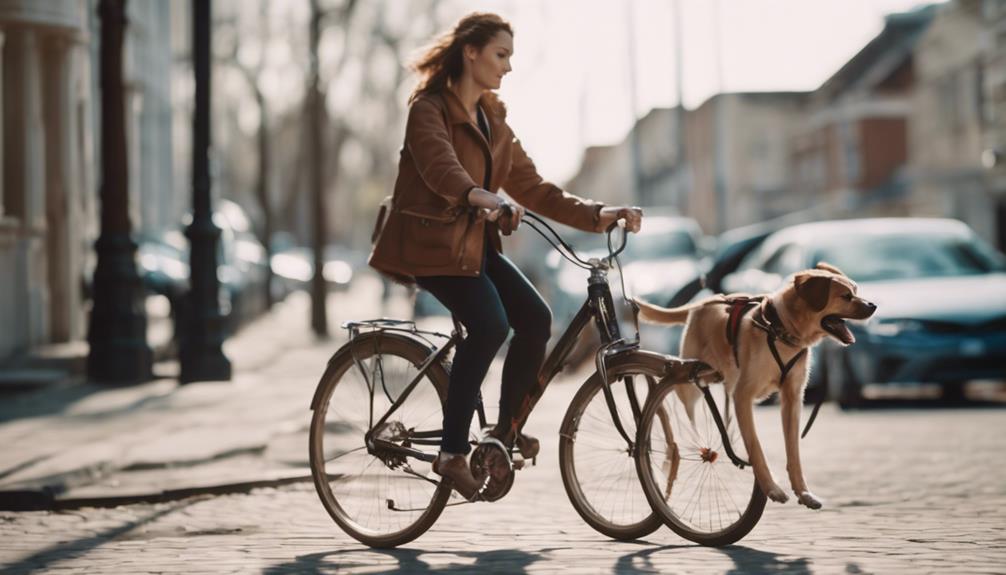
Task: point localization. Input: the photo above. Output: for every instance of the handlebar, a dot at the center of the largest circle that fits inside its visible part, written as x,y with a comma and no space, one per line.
569,253
566,250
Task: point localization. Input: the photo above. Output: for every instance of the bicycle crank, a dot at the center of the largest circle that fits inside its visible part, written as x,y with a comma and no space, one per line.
492,458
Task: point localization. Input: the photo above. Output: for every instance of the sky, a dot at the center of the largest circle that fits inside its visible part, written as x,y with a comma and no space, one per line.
571,82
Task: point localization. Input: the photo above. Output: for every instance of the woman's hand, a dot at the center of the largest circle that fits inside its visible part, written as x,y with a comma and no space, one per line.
494,206
633,217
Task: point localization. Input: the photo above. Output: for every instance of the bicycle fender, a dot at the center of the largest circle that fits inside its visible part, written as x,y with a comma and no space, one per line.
345,350
668,366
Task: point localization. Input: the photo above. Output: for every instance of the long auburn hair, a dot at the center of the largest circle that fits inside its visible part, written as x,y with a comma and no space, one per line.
442,61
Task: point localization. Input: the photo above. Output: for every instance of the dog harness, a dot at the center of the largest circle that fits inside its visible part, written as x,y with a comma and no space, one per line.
766,318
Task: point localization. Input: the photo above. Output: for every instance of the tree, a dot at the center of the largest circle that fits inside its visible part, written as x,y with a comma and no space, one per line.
252,74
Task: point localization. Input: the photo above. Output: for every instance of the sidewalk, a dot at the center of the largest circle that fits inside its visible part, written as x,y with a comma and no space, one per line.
77,444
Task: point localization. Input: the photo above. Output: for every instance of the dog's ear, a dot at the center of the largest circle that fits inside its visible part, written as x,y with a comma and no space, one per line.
813,289
829,268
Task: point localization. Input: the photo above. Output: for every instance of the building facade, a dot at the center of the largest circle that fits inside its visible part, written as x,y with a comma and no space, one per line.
50,142
955,166
47,170
851,151
994,136
738,159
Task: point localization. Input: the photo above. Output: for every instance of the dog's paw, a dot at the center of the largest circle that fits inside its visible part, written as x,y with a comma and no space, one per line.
810,500
776,493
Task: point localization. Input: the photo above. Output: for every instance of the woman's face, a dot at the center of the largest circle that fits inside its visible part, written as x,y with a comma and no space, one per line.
489,65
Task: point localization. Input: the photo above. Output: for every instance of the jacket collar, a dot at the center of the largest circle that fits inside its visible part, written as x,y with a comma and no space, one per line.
493,107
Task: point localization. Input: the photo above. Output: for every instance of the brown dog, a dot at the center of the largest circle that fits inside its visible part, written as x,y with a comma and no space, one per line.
735,334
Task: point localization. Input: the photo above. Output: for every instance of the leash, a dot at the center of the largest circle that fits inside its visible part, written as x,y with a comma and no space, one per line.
813,414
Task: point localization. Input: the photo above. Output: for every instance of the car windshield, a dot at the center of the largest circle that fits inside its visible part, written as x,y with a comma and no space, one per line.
905,256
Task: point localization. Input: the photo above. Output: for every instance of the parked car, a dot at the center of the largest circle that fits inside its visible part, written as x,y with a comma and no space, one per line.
940,291
731,248
293,268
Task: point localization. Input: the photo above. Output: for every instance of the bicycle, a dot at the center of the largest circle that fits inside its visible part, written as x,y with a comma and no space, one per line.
391,381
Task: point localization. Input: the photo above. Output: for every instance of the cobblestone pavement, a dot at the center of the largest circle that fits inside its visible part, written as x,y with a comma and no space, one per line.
90,441
907,490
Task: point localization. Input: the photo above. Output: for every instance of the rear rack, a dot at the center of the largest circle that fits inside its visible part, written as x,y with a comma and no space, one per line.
356,327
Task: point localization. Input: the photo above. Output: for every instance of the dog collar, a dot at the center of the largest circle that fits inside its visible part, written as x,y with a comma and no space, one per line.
772,323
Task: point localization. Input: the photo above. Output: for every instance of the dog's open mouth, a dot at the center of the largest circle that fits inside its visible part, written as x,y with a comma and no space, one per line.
836,327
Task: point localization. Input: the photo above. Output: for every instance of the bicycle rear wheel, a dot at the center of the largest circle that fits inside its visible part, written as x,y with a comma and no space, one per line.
686,474
380,498
598,468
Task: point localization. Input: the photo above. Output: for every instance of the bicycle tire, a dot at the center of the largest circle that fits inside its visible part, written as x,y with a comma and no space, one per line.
639,521
710,465
362,348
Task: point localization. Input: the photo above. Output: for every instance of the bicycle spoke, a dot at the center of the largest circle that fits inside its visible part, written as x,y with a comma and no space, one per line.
705,496
606,491
378,496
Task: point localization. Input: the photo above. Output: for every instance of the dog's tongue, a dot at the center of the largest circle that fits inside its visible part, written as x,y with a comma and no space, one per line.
836,327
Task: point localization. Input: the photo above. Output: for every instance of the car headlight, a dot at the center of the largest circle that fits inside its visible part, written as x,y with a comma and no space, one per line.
893,327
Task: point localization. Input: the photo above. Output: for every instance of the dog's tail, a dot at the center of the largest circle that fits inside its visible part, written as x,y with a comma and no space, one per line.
662,315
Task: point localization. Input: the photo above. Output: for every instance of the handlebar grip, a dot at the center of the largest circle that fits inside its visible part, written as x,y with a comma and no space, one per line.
505,221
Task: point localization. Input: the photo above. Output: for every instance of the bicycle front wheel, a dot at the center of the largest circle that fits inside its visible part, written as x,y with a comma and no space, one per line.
686,474
380,498
597,464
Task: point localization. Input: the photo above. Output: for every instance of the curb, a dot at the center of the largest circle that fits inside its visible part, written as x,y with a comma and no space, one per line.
46,499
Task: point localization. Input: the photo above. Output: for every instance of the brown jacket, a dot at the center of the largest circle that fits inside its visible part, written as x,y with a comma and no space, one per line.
429,228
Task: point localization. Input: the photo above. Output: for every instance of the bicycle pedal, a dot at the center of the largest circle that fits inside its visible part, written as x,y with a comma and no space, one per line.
520,463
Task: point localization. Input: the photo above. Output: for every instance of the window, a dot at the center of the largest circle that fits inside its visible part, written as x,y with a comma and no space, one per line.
786,260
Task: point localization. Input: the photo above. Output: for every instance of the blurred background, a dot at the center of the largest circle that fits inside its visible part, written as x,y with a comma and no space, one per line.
731,122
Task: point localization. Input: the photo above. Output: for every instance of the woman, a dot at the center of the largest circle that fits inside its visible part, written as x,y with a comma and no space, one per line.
443,227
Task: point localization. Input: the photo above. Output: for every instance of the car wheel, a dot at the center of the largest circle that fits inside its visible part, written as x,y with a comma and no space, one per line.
843,386
953,392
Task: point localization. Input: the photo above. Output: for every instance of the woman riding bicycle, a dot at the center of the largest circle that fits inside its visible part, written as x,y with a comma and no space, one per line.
443,228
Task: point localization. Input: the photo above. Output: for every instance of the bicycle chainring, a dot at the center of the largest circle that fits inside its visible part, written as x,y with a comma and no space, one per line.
489,458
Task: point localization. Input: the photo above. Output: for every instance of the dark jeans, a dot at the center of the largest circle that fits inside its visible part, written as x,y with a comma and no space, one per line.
488,305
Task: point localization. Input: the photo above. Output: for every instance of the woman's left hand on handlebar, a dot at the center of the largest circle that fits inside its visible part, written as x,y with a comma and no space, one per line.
510,225
633,217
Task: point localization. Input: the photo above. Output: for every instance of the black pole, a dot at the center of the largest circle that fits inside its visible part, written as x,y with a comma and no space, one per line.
319,288
201,335
117,332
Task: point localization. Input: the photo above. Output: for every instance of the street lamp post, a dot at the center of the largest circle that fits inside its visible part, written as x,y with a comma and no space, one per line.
319,288
117,332
201,335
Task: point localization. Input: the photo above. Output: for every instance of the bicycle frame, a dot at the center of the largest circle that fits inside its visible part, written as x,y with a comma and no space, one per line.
599,307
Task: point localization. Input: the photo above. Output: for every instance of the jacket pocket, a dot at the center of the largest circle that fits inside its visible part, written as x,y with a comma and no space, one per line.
432,239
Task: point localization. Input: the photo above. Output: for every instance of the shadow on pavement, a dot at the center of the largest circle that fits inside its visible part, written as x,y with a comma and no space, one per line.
46,559
640,561
408,561
748,560
61,398
42,402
